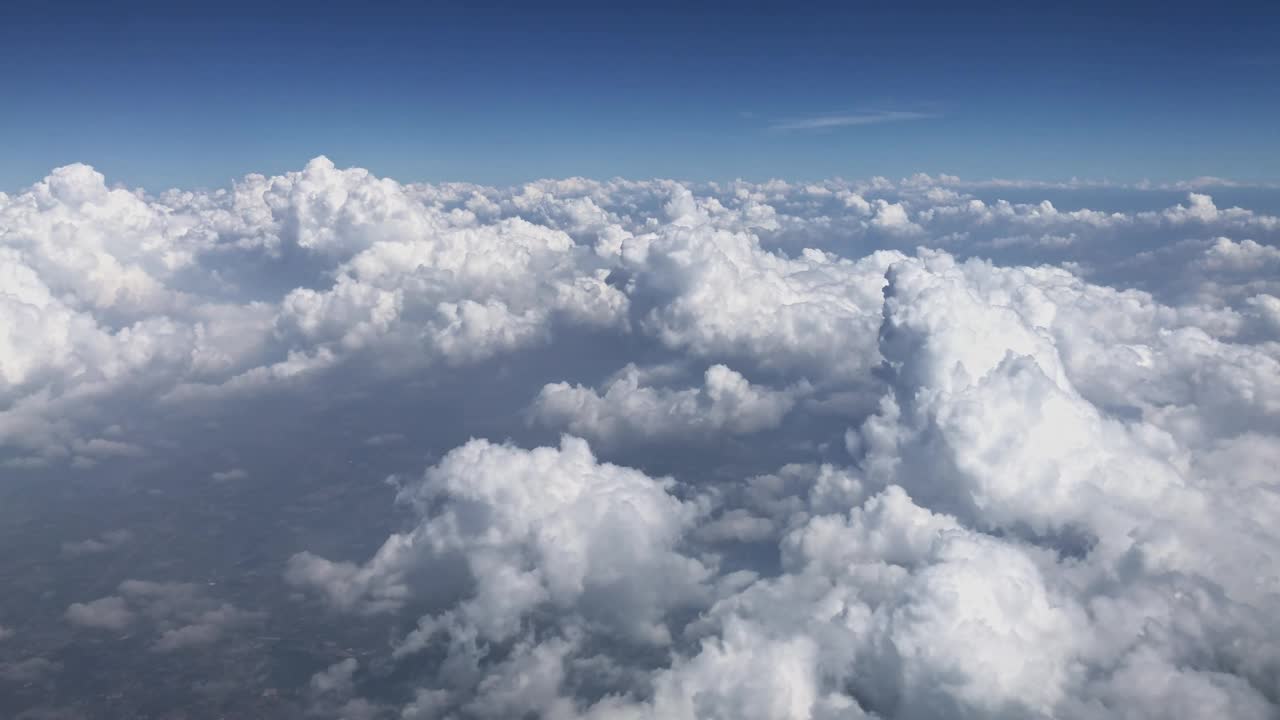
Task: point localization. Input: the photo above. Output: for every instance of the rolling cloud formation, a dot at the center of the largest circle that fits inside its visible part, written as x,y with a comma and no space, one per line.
880,449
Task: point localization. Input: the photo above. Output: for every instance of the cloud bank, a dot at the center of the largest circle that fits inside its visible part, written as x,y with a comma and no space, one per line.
880,449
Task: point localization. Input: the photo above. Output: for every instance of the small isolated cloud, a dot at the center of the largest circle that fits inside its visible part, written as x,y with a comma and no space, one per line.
100,447
107,613
833,121
30,670
92,546
228,475
180,615
383,439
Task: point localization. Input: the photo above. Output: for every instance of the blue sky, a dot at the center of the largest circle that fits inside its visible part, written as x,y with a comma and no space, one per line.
179,94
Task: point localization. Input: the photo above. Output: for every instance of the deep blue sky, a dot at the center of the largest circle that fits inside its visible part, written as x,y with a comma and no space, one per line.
194,94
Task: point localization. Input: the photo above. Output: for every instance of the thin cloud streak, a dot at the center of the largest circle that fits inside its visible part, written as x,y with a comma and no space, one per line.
825,122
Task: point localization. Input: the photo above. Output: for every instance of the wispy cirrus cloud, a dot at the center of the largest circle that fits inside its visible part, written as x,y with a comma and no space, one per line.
827,122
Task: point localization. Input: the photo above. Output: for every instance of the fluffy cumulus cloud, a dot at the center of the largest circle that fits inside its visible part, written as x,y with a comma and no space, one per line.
180,615
630,410
550,527
883,449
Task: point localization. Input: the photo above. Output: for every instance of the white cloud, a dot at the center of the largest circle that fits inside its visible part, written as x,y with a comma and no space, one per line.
1242,256
335,679
631,411
108,541
1201,208
826,122
29,670
1030,476
108,613
719,294
544,527
893,218
180,614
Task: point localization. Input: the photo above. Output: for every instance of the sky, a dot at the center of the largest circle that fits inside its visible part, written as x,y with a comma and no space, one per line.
749,362
195,95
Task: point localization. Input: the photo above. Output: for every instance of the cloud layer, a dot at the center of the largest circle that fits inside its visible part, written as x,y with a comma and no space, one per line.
883,449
